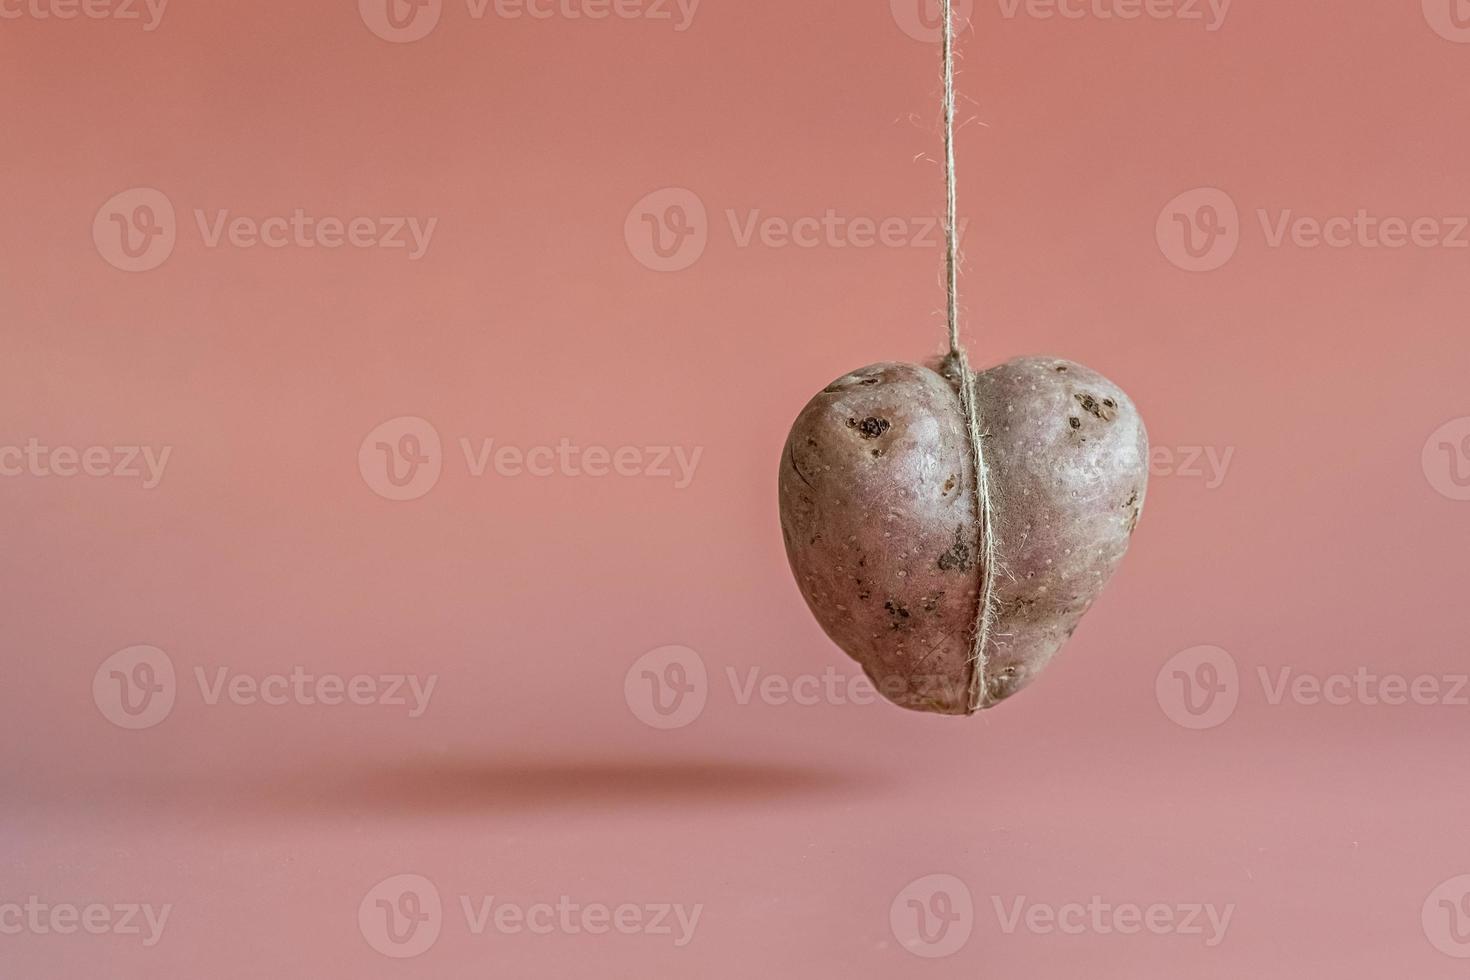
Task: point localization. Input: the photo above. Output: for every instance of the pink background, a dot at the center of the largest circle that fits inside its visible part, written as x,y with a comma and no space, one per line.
1329,546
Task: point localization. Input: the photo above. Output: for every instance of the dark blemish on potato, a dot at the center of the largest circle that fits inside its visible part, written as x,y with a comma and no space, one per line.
877,453
1134,512
1074,422
1022,604
958,555
1109,403
1061,369
1101,410
870,427
948,485
931,602
898,612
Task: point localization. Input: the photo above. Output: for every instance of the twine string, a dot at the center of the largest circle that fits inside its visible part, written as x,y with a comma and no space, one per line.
984,506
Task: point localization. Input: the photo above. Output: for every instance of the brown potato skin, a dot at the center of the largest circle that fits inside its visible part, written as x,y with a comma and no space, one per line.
878,513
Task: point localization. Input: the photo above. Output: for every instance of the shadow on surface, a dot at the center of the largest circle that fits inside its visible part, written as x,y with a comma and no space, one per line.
527,786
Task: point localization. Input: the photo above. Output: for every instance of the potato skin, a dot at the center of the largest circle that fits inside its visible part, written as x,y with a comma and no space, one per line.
878,513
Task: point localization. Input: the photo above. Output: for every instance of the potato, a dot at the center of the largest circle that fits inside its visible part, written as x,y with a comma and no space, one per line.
878,511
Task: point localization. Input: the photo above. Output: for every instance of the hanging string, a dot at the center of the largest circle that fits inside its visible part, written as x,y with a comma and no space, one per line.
960,361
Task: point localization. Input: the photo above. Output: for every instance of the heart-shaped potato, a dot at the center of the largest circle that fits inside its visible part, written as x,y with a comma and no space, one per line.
878,511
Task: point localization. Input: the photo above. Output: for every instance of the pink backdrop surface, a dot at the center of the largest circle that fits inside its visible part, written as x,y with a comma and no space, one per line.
638,235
